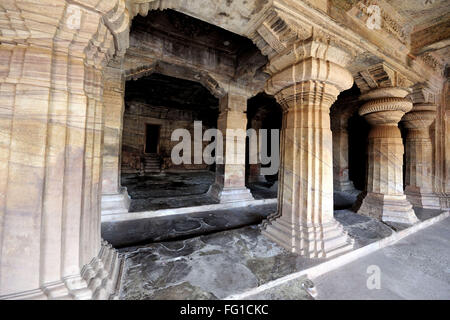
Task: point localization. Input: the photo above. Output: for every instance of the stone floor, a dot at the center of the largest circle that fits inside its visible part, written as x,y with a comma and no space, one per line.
208,267
213,254
170,190
416,267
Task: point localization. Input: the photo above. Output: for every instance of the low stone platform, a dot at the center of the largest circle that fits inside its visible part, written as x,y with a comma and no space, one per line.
132,232
178,189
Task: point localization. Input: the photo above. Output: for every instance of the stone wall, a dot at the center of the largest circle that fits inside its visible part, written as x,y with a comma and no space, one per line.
137,116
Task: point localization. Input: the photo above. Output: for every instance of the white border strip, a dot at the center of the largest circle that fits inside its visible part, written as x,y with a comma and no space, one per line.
342,260
126,216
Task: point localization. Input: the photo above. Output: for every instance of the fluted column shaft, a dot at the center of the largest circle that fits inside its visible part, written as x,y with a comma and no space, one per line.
419,156
51,135
304,223
384,198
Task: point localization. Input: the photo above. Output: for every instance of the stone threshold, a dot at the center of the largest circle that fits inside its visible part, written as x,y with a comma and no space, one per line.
129,216
339,261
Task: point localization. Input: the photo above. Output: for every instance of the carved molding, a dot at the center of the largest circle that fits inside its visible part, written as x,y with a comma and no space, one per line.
391,22
422,93
380,76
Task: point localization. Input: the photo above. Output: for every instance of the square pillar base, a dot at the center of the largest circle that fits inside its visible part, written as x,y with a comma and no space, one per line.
388,208
98,280
223,194
444,200
313,241
116,203
423,200
343,186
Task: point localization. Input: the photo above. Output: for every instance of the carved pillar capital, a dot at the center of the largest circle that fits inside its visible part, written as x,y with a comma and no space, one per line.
385,111
421,116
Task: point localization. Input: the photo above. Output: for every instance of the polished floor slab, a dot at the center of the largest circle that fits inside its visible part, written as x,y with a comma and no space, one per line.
416,267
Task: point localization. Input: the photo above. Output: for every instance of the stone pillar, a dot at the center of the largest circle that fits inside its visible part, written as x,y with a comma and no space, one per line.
384,90
229,185
115,198
306,86
339,125
50,154
419,156
384,198
254,174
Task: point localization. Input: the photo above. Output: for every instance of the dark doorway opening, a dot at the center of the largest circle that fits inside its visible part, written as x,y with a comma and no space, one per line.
151,138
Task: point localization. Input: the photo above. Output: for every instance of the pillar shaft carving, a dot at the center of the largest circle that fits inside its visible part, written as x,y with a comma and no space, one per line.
384,90
419,156
229,185
50,159
304,223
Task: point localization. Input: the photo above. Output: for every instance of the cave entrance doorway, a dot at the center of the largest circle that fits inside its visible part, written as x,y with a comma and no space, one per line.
151,138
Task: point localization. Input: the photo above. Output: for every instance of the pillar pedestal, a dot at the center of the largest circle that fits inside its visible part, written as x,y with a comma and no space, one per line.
223,194
384,198
304,223
116,202
98,280
419,149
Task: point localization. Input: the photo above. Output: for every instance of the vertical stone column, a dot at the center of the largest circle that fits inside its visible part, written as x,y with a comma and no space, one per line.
115,198
339,125
384,90
254,174
306,85
419,156
51,125
229,185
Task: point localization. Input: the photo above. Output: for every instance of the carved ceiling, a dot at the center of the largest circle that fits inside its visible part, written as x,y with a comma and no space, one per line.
163,91
178,39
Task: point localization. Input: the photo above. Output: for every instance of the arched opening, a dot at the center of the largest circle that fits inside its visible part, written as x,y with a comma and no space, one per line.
156,106
181,73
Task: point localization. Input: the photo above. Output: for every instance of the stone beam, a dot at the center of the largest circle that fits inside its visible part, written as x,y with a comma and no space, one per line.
431,38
